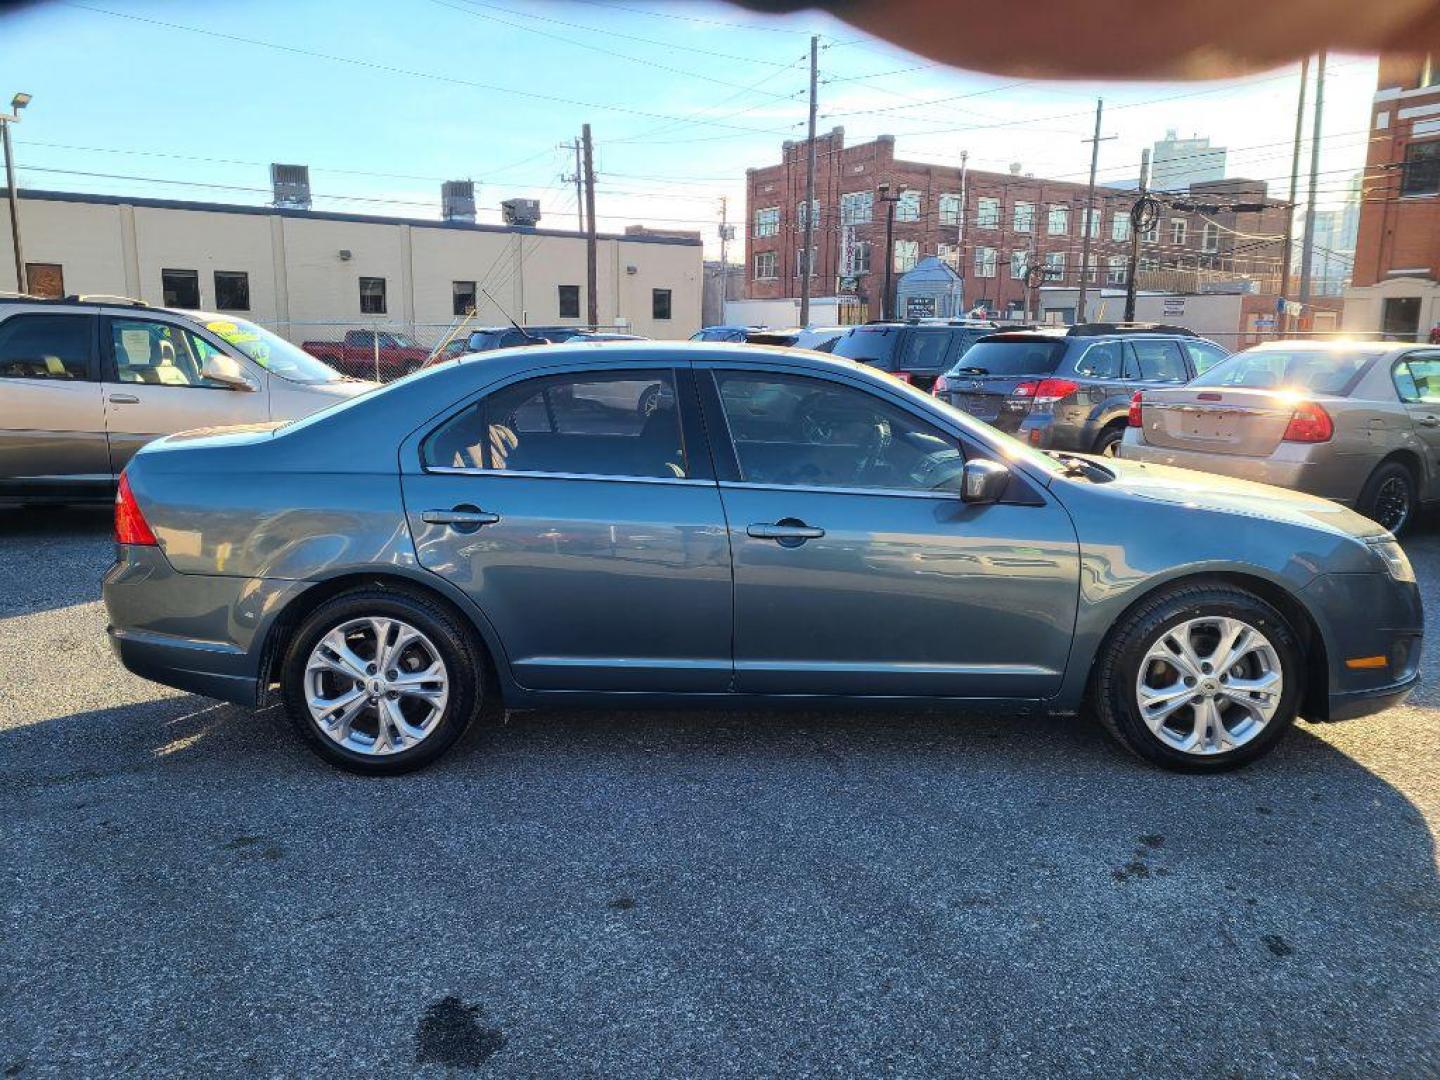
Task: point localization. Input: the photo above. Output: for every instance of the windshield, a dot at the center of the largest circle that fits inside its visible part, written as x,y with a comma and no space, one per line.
1017,356
272,352
1316,371
870,346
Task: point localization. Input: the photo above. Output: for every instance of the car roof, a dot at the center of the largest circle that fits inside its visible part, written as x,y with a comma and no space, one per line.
607,352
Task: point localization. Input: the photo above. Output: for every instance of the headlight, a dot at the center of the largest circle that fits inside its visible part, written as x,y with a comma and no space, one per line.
1395,558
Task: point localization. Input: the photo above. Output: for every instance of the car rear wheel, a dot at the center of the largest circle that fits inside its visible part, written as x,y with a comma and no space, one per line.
1201,679
1389,497
1108,444
381,682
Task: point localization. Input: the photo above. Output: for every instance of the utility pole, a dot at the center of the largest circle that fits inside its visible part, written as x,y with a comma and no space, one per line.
1088,224
960,218
577,178
1283,316
592,304
883,193
1135,238
806,269
1309,242
724,254
18,102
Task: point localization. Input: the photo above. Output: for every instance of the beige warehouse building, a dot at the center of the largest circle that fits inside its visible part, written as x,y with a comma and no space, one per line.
313,274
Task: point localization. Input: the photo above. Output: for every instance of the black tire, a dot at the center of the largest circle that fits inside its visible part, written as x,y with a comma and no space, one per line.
1391,492
1107,444
1112,690
456,645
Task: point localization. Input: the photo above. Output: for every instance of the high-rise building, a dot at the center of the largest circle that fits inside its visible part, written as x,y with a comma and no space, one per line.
1177,163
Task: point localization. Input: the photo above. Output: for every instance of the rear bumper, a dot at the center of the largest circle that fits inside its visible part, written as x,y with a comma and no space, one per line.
213,669
1043,430
1297,474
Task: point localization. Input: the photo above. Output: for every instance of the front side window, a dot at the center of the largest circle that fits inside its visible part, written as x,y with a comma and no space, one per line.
660,303
272,352
1422,169
1159,361
181,288
372,296
46,347
987,212
1417,379
908,208
158,354
232,290
767,221
613,423
856,207
1204,356
797,431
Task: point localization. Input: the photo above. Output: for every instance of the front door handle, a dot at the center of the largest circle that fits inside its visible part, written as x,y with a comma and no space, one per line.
1430,421
460,518
788,532
124,399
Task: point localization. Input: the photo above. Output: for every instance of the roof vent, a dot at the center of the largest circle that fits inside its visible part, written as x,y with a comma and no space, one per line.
291,186
524,212
457,201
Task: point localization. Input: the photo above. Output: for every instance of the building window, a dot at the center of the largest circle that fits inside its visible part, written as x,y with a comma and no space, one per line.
1179,228
987,213
985,262
908,208
907,254
181,288
1120,226
860,257
800,214
767,221
1422,169
1059,221
462,298
950,255
1210,236
949,209
45,279
372,296
1055,266
1092,269
1116,270
1019,263
569,301
856,207
1147,264
765,266
800,257
1151,235
1024,219
660,303
1090,221
232,290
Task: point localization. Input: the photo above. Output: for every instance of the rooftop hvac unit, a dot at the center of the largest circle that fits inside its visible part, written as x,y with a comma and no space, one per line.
520,211
457,201
291,185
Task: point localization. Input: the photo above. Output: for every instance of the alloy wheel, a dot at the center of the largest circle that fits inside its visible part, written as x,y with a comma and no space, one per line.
376,686
1209,685
1392,503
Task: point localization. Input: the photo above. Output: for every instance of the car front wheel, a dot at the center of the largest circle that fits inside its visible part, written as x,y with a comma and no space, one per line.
380,682
1200,679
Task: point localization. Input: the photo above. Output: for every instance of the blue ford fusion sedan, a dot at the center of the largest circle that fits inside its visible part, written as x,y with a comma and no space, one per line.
701,524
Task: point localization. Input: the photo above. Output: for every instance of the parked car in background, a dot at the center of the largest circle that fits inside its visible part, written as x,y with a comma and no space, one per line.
1353,421
85,382
368,354
726,333
772,526
1070,388
915,352
489,338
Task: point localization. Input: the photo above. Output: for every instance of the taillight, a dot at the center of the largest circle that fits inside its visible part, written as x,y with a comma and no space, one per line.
1024,390
1052,390
1309,423
1135,420
942,386
130,526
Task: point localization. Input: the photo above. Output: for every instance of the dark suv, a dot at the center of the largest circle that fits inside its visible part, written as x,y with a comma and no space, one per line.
916,352
1070,388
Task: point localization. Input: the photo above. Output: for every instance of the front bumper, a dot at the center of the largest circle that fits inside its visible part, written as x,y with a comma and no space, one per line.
1365,616
1353,704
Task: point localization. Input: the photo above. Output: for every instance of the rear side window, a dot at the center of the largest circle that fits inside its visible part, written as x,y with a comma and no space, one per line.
1012,356
46,347
1417,378
1159,361
925,351
870,346
1103,360
616,423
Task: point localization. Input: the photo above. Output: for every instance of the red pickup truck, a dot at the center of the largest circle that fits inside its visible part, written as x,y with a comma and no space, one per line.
357,354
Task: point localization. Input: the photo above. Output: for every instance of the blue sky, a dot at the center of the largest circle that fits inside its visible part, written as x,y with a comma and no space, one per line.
386,100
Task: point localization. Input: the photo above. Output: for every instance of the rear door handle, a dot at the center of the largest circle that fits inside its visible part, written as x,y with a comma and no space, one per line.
461,518
124,399
1430,421
788,531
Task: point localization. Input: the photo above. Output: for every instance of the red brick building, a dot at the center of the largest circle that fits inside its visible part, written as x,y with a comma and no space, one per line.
1008,222
1396,281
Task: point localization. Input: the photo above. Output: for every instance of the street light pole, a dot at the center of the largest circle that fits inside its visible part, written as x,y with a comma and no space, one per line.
883,193
18,102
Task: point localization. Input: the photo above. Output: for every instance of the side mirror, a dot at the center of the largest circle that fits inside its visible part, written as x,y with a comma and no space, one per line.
983,481
226,371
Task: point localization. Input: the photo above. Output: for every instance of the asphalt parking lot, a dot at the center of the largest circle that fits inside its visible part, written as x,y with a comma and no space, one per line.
185,890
